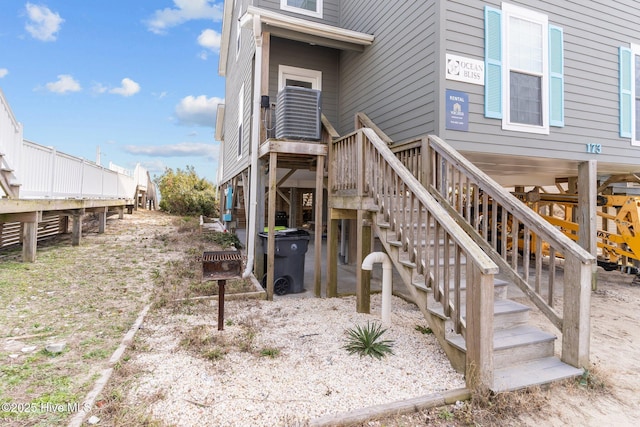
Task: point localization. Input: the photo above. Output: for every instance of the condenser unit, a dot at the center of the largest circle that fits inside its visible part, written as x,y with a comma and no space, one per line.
298,113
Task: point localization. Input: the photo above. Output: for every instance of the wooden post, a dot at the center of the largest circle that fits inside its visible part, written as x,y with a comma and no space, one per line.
576,328
29,241
586,212
352,240
318,204
479,336
332,256
425,158
363,278
102,220
76,229
271,224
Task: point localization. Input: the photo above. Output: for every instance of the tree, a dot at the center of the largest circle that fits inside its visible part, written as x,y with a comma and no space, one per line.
183,192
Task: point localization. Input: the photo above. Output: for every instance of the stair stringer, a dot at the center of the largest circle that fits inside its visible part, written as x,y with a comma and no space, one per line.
422,299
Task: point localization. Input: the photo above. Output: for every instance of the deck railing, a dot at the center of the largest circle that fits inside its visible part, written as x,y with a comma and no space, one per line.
44,172
365,167
48,173
517,238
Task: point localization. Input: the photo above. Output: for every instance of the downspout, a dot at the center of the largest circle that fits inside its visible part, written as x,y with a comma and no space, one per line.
367,264
255,144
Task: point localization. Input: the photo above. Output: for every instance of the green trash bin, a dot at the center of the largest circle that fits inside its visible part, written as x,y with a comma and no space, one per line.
290,249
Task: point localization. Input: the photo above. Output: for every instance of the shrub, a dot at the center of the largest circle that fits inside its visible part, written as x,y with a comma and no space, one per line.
183,192
225,240
365,340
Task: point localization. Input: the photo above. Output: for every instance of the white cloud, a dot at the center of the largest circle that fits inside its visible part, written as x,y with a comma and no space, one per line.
3,72
182,149
155,167
99,88
210,39
184,10
65,83
43,23
198,111
128,88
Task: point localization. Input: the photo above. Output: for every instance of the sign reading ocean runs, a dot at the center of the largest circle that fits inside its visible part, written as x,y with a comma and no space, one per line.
465,69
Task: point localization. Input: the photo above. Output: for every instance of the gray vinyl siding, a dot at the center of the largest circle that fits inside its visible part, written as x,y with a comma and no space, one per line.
330,11
392,81
302,55
593,31
239,71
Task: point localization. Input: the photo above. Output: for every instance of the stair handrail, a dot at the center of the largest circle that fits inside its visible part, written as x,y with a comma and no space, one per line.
463,189
364,167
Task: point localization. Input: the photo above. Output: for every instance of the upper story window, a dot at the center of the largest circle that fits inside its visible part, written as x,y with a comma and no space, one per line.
301,77
524,70
305,7
630,93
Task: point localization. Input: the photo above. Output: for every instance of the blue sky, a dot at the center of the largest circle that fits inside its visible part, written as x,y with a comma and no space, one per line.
137,78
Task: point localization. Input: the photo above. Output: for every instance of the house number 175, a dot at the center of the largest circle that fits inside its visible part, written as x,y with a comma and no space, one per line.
594,148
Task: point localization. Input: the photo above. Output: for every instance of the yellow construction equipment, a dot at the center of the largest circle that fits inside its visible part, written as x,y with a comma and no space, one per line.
618,224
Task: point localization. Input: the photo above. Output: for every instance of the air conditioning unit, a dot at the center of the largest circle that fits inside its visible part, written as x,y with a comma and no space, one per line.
298,113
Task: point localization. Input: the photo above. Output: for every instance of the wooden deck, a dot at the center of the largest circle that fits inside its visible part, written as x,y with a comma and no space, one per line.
29,213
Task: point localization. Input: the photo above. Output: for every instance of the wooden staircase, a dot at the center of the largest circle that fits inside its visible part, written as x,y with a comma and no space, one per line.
8,180
449,230
523,355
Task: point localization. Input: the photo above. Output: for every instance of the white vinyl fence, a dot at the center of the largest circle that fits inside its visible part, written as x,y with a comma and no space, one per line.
44,172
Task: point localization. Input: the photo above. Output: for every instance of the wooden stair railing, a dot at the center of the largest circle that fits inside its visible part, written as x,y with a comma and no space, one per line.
518,240
363,167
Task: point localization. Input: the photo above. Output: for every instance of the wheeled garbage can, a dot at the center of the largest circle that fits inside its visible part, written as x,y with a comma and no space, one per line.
291,247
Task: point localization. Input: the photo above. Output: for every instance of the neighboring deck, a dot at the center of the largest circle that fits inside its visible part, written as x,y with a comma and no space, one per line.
41,188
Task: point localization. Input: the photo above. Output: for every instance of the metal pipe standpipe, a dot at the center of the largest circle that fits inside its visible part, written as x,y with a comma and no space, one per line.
367,264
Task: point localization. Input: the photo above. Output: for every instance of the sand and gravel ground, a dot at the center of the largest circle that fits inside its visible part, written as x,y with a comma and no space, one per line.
275,363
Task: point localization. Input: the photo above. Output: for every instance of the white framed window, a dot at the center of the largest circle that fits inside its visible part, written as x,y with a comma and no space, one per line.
525,74
240,120
302,77
304,7
633,91
524,69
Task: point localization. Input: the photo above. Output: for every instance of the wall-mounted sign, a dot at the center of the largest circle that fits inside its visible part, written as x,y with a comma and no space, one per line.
465,69
457,106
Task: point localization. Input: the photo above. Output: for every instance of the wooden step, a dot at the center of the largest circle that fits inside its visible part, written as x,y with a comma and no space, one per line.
507,314
531,373
515,345
500,287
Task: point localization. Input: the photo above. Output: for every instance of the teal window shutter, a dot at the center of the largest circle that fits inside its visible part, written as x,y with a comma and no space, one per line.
556,77
492,63
625,92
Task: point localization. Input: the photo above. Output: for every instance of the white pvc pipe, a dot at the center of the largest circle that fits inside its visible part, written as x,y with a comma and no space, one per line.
367,264
255,143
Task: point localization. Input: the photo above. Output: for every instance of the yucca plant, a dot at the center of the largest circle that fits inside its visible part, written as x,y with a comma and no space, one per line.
365,341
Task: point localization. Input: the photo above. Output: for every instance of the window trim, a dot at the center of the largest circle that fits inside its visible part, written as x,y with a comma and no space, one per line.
303,74
635,51
284,5
508,11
